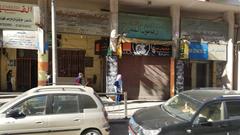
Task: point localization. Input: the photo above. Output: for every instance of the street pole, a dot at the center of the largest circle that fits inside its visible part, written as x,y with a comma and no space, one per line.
238,77
54,51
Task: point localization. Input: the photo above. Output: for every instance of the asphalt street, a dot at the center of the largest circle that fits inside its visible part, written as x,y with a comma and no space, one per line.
119,127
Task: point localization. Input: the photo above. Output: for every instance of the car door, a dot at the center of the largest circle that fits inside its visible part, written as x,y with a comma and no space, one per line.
66,117
210,121
233,116
32,121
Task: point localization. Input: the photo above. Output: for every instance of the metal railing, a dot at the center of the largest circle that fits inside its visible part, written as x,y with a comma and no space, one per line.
113,108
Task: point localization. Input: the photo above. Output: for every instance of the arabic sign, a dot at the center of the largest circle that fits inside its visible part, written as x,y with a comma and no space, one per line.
83,22
20,39
232,2
203,29
16,16
198,51
145,27
140,49
217,52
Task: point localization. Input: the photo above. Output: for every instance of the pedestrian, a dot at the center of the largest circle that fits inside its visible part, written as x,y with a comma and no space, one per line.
9,81
49,79
80,80
118,88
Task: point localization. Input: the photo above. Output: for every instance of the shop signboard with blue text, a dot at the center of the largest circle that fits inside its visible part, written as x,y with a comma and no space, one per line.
198,51
16,16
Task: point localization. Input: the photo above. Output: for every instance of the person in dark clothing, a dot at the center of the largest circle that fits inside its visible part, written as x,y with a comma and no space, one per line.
118,88
9,81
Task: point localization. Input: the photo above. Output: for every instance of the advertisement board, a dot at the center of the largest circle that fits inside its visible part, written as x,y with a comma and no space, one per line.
198,51
20,39
16,16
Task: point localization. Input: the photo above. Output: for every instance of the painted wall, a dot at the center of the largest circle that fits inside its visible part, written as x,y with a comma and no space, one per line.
87,43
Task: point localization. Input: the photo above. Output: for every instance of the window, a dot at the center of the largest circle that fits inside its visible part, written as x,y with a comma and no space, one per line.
65,104
233,109
70,62
33,106
86,102
210,113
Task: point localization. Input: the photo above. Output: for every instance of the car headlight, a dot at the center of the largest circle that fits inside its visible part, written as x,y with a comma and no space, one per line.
151,132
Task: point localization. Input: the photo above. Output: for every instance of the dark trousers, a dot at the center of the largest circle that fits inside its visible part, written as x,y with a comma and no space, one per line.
9,87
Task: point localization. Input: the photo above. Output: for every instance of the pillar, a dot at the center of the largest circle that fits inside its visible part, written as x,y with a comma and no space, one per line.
43,57
111,61
175,14
228,71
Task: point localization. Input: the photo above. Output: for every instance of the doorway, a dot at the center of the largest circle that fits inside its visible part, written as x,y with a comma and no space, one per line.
203,75
26,69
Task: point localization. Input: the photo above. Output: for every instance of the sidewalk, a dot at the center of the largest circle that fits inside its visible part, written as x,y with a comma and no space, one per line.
117,112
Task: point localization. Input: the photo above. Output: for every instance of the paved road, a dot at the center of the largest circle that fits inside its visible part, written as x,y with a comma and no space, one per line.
119,127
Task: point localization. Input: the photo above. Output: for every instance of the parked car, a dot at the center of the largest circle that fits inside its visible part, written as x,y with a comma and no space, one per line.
194,112
55,110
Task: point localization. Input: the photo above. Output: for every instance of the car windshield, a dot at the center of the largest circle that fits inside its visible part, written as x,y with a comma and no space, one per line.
182,106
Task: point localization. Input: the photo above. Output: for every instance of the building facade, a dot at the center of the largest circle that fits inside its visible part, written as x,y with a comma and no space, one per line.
166,47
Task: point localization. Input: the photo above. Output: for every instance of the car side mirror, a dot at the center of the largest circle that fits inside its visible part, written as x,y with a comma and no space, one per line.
15,113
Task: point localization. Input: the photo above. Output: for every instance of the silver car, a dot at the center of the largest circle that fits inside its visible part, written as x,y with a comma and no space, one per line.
55,110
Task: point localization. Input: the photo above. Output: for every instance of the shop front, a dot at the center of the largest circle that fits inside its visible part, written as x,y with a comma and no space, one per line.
203,54
147,52
18,47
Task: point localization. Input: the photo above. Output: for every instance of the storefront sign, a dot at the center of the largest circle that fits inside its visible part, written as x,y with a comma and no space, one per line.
232,2
16,16
20,39
205,30
217,52
140,49
198,51
145,27
82,22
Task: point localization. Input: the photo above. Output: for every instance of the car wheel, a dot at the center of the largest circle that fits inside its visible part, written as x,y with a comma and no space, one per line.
92,132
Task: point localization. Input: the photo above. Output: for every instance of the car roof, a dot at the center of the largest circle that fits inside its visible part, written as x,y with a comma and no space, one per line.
62,88
207,95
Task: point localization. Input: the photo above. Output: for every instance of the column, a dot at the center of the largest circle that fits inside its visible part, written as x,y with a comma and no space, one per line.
111,61
228,71
175,14
43,57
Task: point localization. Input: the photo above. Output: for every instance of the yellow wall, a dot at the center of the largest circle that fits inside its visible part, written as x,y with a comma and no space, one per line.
5,66
87,43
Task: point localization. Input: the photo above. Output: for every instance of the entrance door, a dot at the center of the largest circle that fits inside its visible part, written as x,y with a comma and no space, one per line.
26,69
203,75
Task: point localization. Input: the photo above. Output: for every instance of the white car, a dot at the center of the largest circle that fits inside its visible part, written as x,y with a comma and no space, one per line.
55,110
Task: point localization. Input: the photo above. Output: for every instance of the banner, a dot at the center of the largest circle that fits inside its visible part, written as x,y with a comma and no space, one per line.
217,52
16,16
141,49
20,39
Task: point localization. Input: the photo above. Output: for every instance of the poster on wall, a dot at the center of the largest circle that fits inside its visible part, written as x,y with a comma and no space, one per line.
20,39
16,16
217,52
111,73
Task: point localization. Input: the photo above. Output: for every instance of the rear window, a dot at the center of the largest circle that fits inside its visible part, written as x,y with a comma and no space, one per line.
86,102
